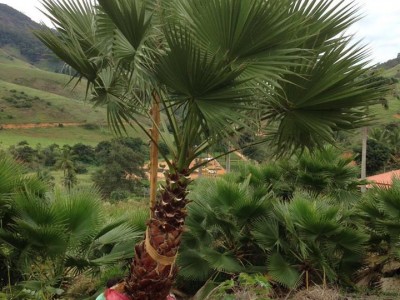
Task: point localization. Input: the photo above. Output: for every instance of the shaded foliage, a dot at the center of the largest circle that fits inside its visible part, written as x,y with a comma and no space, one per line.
83,153
122,163
378,154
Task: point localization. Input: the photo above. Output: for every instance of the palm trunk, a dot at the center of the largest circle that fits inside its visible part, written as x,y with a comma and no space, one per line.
153,269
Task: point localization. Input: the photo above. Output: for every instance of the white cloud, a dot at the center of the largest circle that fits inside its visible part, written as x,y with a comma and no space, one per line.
380,27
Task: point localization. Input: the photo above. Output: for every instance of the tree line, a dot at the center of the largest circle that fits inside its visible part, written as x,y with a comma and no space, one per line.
117,165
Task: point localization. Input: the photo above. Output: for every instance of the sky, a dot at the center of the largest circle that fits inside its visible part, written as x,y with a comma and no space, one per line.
380,27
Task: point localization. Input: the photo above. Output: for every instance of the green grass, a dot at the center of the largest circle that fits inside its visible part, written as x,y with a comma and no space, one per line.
392,72
384,116
127,208
19,72
42,80
49,101
46,107
10,55
58,135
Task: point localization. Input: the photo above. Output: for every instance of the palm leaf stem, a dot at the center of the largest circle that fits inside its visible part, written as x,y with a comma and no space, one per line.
155,112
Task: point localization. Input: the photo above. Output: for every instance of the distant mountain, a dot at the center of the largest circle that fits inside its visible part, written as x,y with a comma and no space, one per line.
17,39
390,63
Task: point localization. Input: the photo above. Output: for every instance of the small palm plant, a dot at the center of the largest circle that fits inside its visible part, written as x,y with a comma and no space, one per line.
309,239
12,182
218,238
64,234
321,172
380,212
328,172
239,224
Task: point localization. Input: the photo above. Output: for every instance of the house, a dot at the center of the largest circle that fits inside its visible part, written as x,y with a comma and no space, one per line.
383,179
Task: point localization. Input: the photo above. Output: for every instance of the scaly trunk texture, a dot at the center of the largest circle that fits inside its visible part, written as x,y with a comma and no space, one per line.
153,269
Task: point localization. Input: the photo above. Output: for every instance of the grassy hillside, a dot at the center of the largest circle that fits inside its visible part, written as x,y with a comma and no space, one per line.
10,55
58,135
17,71
20,104
392,113
393,71
32,95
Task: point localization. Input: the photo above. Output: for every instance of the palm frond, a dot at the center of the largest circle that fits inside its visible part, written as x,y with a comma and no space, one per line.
130,17
45,240
254,33
119,234
80,211
223,262
74,40
281,271
193,266
331,96
266,232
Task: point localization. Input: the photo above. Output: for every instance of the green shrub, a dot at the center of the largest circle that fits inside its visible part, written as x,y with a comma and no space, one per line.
118,195
65,233
90,126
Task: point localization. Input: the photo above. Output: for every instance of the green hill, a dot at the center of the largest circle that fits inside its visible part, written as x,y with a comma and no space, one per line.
29,76
16,33
31,96
391,63
20,104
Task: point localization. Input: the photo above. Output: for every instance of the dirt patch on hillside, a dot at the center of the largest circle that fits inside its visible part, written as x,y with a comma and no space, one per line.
39,125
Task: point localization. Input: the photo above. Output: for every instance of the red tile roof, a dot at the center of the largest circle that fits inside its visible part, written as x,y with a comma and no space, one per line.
384,179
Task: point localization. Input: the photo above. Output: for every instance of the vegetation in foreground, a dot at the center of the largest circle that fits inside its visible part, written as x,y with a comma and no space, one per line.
248,235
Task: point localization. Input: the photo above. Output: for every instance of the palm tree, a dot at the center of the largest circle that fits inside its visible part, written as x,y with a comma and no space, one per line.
65,162
211,66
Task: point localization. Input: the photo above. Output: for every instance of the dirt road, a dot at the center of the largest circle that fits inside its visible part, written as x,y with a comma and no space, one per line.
39,125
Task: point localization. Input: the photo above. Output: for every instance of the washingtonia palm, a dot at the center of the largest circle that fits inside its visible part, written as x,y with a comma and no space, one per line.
213,66
310,239
218,237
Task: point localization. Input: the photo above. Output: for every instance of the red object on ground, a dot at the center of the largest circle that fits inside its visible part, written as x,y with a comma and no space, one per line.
111,294
114,295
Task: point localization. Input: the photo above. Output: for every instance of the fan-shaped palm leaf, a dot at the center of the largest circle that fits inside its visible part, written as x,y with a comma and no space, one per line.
309,236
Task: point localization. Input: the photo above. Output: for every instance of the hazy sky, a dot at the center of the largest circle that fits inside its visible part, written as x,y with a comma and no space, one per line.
380,27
